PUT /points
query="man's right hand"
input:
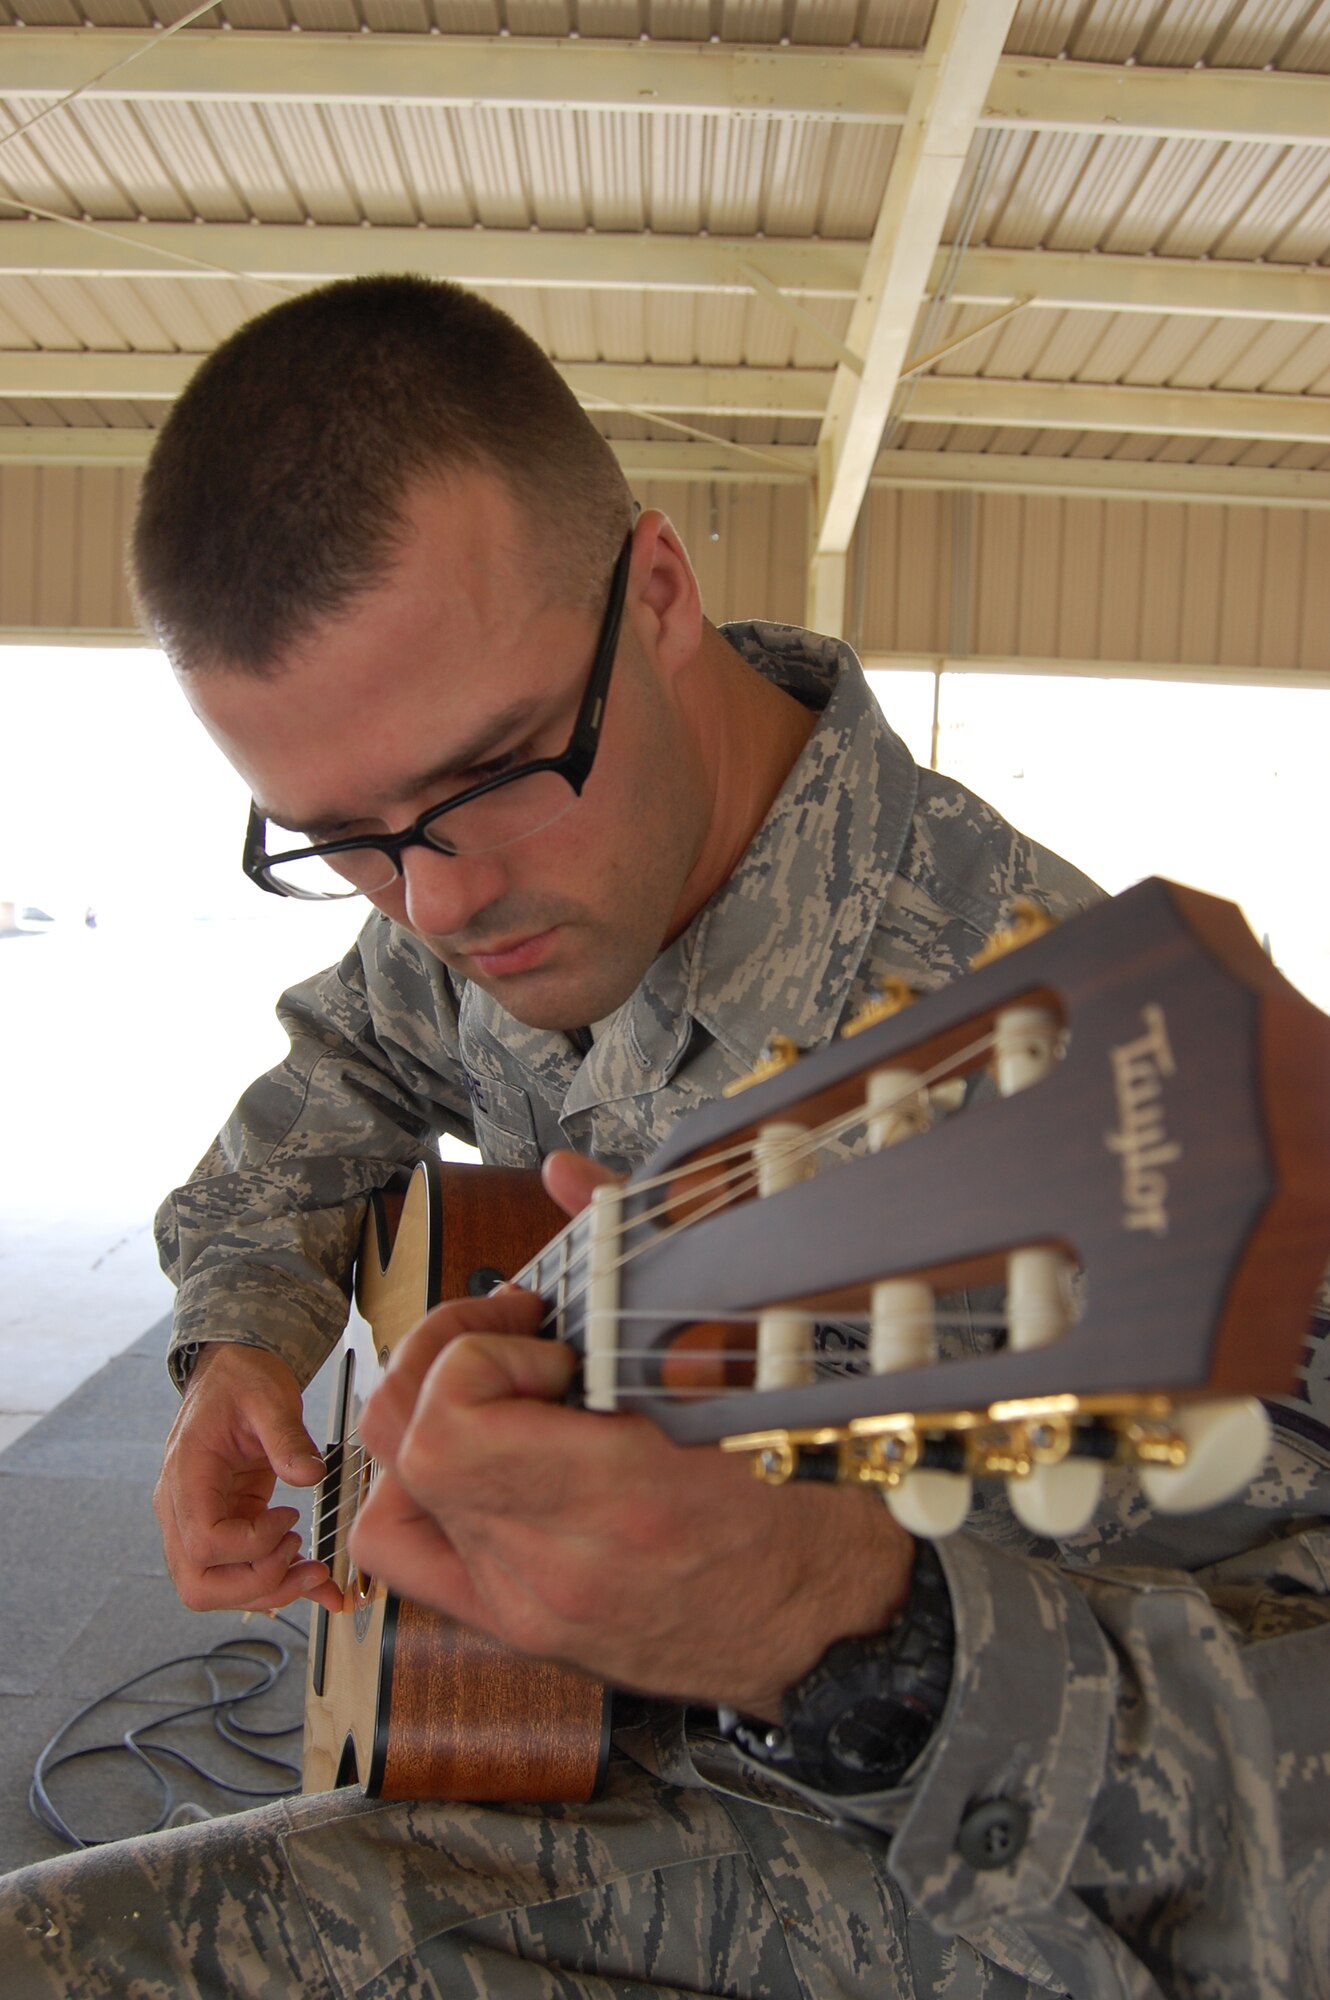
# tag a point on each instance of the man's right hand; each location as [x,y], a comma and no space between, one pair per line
[240,1430]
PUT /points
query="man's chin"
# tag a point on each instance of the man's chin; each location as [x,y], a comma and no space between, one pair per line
[538,994]
[556,1002]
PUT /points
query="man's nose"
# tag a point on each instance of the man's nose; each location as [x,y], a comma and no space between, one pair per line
[445,892]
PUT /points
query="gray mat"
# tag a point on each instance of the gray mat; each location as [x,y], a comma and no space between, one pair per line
[89,1604]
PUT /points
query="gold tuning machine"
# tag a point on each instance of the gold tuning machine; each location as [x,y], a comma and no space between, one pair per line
[778,1053]
[894,995]
[1028,921]
[1007,1439]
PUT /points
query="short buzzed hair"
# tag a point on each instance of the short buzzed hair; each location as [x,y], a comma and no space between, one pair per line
[277,489]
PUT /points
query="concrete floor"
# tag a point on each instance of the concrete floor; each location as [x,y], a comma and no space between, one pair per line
[121,1049]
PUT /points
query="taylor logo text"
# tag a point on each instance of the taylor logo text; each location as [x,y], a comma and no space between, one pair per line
[1141,1139]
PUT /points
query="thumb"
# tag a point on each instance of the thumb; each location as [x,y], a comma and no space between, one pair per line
[288,1446]
[571,1180]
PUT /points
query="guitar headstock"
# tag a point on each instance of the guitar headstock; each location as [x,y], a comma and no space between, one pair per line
[1123,1126]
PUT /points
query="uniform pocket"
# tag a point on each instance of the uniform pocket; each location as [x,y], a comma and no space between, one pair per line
[505,1126]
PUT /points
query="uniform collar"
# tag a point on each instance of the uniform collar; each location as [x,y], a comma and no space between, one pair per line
[777,947]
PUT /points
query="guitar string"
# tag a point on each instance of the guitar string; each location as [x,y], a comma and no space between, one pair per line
[741,1178]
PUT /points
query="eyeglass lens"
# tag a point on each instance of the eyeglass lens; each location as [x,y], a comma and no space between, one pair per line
[497,819]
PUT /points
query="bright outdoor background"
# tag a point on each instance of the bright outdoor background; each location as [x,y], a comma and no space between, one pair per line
[123,1046]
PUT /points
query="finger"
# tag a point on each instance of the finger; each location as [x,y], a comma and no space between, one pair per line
[488,1426]
[300,1582]
[509,1310]
[278,1578]
[395,1539]
[571,1180]
[213,1506]
[506,1312]
[481,1369]
[472,1371]
[312,1580]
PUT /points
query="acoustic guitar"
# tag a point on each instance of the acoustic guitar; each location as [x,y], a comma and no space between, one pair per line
[1119,1132]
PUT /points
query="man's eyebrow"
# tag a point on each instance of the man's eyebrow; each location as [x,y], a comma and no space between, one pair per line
[464,758]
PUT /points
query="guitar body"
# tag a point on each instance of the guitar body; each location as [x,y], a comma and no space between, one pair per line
[401,1700]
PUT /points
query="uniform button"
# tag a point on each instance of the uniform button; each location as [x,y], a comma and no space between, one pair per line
[993,1834]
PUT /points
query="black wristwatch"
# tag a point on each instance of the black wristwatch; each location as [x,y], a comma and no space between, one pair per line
[857,1722]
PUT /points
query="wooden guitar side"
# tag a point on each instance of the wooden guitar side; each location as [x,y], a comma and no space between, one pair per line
[399,1699]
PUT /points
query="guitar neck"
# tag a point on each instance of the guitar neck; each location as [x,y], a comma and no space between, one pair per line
[556,1275]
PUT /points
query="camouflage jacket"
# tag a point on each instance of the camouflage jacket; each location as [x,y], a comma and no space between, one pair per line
[1155,1695]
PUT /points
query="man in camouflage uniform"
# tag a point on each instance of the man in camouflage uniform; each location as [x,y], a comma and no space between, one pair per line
[1139,1716]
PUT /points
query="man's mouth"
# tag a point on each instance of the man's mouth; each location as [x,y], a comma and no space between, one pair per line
[519,955]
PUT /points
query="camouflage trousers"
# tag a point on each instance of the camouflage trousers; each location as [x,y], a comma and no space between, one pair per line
[651,1890]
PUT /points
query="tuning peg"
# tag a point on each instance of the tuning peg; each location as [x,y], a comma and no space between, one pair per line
[1226,1444]
[893,996]
[1057,1500]
[778,1053]
[932,1504]
[1028,921]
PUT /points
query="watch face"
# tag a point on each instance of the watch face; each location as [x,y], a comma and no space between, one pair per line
[874,1741]
[860,1719]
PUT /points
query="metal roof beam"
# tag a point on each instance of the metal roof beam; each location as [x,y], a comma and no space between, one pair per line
[1025,93]
[44,444]
[948,471]
[292,253]
[1102,283]
[737,392]
[1116,98]
[211,65]
[646,260]
[1095,669]
[771,392]
[964,44]
[1079,406]
[1101,478]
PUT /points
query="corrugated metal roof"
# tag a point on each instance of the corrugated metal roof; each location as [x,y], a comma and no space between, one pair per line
[1174,197]
[627,173]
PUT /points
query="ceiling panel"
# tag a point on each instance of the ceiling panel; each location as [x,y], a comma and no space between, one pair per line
[1119,212]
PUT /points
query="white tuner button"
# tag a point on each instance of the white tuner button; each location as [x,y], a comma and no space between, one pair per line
[1057,1500]
[1226,1447]
[929,1503]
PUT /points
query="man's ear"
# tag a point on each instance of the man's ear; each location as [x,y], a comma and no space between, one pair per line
[665,604]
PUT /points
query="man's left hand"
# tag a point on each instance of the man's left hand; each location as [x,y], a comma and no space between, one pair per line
[594,1539]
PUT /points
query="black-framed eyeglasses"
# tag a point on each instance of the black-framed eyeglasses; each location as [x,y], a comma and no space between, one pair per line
[495,813]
